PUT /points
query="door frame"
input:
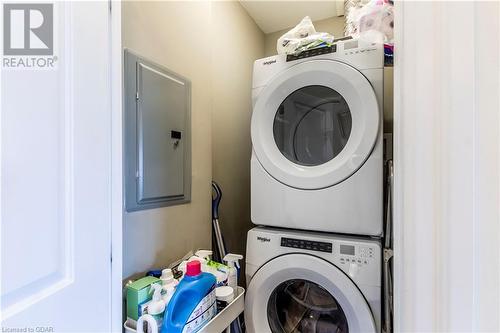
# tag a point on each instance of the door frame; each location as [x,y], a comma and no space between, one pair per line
[116,87]
[446,166]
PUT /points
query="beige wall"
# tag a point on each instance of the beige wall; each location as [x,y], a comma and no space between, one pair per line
[238,43]
[175,35]
[213,44]
[333,25]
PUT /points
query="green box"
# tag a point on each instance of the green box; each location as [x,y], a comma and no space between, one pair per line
[138,293]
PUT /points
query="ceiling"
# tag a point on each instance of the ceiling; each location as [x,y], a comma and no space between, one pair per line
[272,16]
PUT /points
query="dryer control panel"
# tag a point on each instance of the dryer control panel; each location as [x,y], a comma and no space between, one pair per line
[312,52]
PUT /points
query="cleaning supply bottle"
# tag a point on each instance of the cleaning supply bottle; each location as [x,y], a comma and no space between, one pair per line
[193,303]
[232,260]
[208,265]
[220,271]
[168,293]
[156,307]
[169,283]
[167,278]
[204,254]
[150,320]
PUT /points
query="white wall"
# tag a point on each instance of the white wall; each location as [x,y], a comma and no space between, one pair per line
[236,44]
[447,169]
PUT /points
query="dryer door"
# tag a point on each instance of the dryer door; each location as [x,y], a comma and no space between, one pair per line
[303,293]
[315,124]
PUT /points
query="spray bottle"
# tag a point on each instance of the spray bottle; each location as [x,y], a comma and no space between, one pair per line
[157,305]
[232,260]
[154,312]
[203,254]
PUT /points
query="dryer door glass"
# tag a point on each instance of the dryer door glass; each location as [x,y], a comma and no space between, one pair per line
[304,306]
[312,125]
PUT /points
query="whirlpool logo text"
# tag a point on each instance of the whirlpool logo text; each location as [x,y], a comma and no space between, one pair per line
[269,62]
[263,239]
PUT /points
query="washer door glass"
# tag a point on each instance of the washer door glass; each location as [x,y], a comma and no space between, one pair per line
[303,306]
[312,125]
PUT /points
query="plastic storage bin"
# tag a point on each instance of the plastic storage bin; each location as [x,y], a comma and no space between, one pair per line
[219,323]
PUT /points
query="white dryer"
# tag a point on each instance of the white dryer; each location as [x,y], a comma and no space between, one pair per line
[317,140]
[312,282]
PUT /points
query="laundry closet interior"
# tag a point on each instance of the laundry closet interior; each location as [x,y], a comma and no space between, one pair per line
[250,166]
[299,144]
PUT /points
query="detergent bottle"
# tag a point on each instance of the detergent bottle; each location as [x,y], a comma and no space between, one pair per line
[193,303]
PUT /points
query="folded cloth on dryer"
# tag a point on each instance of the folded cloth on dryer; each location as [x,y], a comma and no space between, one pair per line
[303,37]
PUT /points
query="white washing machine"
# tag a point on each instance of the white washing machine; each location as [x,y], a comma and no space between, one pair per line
[317,140]
[312,282]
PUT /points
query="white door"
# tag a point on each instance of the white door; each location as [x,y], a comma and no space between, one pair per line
[303,293]
[315,124]
[56,173]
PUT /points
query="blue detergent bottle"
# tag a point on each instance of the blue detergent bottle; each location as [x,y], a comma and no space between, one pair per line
[193,303]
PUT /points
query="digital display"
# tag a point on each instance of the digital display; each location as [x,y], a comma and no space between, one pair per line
[347,249]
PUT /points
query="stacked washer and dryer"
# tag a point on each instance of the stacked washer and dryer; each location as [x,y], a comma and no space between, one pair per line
[314,262]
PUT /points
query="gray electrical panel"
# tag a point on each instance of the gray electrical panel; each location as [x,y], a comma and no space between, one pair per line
[157,135]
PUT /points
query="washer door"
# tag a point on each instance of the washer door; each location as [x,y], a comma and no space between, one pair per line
[303,293]
[315,124]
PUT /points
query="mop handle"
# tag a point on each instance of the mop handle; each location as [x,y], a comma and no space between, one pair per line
[216,200]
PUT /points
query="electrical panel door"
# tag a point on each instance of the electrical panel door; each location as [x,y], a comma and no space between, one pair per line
[158,137]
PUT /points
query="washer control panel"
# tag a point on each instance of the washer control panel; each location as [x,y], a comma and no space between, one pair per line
[357,254]
[306,244]
[358,257]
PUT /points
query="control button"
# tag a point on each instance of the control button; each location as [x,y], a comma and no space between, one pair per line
[353,270]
